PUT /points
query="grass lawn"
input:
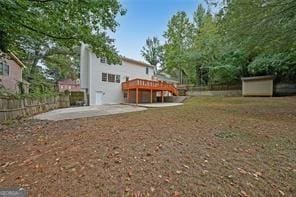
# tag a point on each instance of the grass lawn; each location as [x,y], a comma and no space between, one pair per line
[210,146]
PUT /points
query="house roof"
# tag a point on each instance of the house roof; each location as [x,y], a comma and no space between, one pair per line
[16,59]
[13,57]
[136,62]
[68,82]
[166,77]
[130,60]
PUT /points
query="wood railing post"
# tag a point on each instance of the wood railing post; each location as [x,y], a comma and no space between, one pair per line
[151,96]
[137,96]
[128,95]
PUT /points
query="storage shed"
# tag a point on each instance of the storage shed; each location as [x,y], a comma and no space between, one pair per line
[257,86]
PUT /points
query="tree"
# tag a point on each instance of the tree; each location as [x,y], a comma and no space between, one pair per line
[66,23]
[178,40]
[153,52]
[207,44]
[48,59]
[243,38]
[261,26]
[282,65]
[199,16]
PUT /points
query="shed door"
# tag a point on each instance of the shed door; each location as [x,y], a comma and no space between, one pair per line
[99,97]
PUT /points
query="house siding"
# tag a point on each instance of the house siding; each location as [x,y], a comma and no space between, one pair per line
[15,75]
[84,68]
[112,92]
[70,85]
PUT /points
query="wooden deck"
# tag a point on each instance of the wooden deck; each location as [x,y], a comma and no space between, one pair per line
[148,85]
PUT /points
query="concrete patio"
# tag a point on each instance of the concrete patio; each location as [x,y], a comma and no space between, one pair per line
[158,105]
[87,111]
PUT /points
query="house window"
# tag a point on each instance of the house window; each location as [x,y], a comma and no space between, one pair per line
[111,78]
[4,69]
[117,78]
[147,70]
[103,60]
[104,76]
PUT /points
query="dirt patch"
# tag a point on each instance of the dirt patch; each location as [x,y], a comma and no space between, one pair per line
[209,146]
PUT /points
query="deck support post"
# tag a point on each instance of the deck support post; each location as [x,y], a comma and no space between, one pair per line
[137,96]
[128,95]
[161,96]
[151,96]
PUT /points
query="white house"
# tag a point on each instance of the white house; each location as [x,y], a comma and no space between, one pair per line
[103,82]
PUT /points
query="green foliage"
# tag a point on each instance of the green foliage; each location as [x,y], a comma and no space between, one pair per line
[76,98]
[66,23]
[244,38]
[260,26]
[39,84]
[178,41]
[224,75]
[153,52]
[46,35]
[282,65]
[199,16]
[206,44]
[21,87]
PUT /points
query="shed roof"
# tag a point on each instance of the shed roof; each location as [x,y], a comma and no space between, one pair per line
[256,78]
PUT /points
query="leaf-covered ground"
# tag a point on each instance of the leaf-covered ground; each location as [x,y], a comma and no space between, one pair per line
[209,146]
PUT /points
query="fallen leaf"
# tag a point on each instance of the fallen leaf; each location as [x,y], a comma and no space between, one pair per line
[5,165]
[127,189]
[258,174]
[205,171]
[281,192]
[242,171]
[243,193]
[152,189]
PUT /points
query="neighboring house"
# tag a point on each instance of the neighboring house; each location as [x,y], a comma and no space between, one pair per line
[167,78]
[11,73]
[111,84]
[69,84]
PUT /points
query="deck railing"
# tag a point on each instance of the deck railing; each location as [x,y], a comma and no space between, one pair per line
[149,84]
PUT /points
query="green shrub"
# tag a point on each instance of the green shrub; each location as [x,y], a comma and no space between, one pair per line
[224,75]
[282,65]
[76,97]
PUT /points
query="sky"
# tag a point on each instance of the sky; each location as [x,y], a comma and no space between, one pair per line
[146,18]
